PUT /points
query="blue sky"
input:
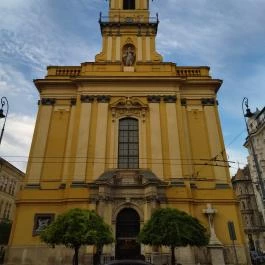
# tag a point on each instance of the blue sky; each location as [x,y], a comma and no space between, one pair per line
[227,35]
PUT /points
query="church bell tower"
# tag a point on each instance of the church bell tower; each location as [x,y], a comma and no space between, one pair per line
[128,33]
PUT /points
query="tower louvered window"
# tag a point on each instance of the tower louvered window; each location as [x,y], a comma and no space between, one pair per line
[128,4]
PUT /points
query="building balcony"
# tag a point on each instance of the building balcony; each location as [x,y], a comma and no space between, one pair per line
[128,20]
[69,71]
[95,69]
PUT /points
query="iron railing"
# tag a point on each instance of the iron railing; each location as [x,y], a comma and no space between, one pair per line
[128,20]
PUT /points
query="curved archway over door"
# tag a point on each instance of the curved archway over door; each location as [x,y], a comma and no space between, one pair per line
[127,229]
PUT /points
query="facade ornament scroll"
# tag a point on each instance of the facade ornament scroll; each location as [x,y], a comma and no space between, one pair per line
[129,106]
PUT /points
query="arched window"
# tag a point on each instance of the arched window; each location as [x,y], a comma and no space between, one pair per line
[128,156]
[128,4]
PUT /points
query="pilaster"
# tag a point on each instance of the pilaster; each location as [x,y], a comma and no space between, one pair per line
[214,143]
[142,144]
[140,48]
[118,48]
[109,48]
[156,144]
[101,134]
[67,157]
[82,142]
[173,140]
[147,49]
[39,146]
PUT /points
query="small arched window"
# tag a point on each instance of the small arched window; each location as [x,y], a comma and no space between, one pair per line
[128,156]
[128,4]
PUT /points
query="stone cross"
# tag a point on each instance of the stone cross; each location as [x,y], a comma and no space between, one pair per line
[210,212]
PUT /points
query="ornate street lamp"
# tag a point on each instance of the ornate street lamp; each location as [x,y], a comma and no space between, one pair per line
[4,102]
[248,114]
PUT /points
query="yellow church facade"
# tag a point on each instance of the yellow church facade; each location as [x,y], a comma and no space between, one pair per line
[125,135]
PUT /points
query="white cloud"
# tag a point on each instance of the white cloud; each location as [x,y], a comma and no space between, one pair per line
[215,32]
[14,4]
[34,38]
[17,139]
[13,81]
[235,88]
[238,156]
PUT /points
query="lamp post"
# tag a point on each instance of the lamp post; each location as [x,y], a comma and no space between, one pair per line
[248,114]
[4,102]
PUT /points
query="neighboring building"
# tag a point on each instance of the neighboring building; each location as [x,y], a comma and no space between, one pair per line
[10,182]
[125,135]
[252,218]
[256,126]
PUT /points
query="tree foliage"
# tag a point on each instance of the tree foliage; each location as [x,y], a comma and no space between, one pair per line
[75,228]
[5,229]
[173,228]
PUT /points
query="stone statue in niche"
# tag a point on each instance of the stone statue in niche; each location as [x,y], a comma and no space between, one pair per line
[128,56]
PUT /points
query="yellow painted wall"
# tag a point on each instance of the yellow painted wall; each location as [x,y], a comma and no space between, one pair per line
[55,148]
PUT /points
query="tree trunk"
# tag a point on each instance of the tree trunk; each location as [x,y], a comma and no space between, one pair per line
[99,252]
[173,259]
[75,257]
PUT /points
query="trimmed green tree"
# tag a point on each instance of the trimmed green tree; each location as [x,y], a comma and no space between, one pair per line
[76,228]
[173,228]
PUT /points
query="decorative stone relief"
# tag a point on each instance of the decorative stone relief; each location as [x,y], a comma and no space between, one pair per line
[86,99]
[129,41]
[128,107]
[136,188]
[103,99]
[73,101]
[61,108]
[170,99]
[41,221]
[208,101]
[194,108]
[183,102]
[48,101]
[154,99]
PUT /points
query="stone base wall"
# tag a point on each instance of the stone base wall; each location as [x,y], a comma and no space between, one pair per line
[202,256]
[42,255]
[235,255]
